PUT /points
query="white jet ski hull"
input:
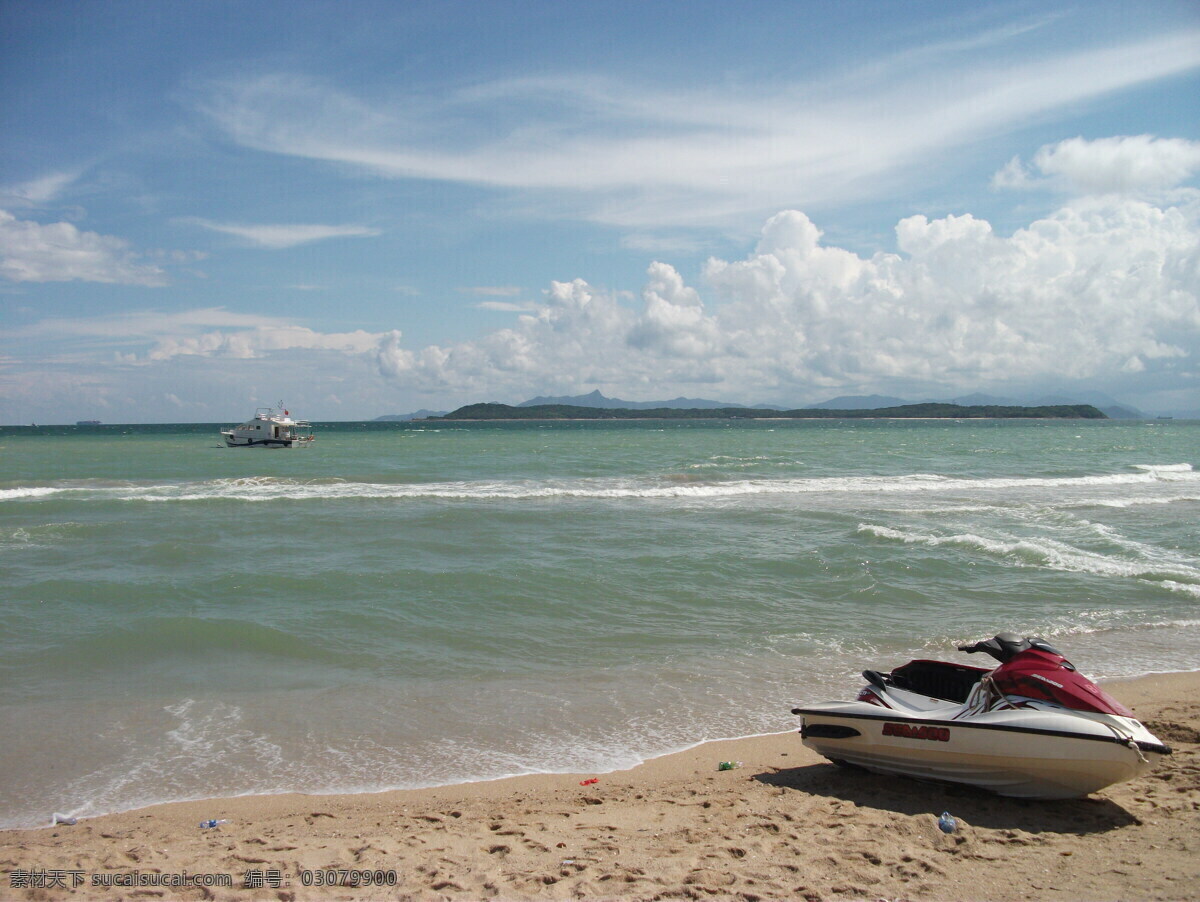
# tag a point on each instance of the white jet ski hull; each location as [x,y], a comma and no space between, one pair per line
[1036,752]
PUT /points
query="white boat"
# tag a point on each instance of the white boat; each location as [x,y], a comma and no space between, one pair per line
[1031,728]
[270,428]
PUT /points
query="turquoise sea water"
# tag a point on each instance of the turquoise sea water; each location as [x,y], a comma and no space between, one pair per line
[413,604]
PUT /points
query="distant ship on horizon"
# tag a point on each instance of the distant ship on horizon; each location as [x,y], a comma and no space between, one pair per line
[87,422]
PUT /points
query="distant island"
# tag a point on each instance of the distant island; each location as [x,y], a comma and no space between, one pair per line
[879,406]
[931,410]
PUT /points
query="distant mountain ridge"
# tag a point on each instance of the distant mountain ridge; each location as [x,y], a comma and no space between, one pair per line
[863,402]
[1108,405]
[405,417]
[596,399]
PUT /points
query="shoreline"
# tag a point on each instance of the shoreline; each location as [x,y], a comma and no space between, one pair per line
[784,824]
[1116,685]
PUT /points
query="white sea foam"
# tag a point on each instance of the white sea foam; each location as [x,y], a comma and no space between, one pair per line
[209,742]
[1051,554]
[1145,551]
[257,489]
[29,492]
[1191,589]
[1141,501]
[35,536]
[252,489]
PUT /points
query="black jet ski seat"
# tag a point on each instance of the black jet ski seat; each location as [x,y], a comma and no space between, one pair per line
[936,679]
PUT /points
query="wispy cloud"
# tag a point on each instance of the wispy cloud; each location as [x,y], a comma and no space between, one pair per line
[506,306]
[648,157]
[493,291]
[258,342]
[41,190]
[148,336]
[142,325]
[278,237]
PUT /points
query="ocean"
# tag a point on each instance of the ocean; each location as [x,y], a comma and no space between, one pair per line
[416,604]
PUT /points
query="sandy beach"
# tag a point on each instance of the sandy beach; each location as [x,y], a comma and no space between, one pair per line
[785,824]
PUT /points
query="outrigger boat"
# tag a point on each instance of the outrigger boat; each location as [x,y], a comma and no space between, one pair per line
[270,428]
[1033,727]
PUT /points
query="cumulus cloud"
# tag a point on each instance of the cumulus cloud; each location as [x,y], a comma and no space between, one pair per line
[60,252]
[278,237]
[1098,287]
[575,332]
[673,322]
[1134,165]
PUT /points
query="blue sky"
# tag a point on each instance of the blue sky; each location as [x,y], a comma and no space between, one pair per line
[368,208]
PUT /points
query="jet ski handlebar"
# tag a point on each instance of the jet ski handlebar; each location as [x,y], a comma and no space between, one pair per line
[1006,646]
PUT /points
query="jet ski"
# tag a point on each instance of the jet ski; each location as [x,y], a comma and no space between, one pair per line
[1033,727]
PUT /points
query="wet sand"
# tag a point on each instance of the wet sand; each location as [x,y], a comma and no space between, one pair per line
[783,825]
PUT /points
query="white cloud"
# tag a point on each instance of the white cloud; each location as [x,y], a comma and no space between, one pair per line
[1100,287]
[392,359]
[149,336]
[38,191]
[59,252]
[650,157]
[676,243]
[1013,174]
[674,322]
[506,306]
[140,326]
[1137,165]
[576,333]
[499,291]
[200,364]
[278,237]
[493,291]
[261,341]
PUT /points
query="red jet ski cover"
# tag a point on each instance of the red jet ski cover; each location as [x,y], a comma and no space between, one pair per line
[1051,677]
